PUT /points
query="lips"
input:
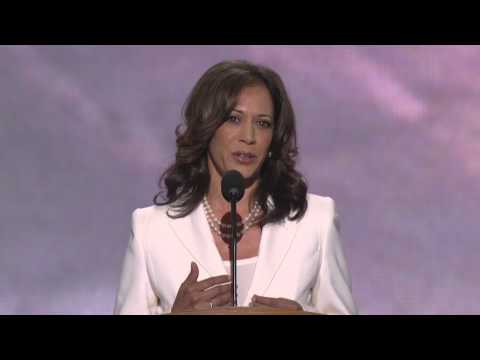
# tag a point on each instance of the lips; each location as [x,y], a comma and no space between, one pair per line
[244,155]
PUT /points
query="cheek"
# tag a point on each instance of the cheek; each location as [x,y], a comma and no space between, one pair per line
[266,142]
[218,144]
[213,148]
[222,139]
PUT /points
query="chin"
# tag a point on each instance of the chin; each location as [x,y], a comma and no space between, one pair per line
[246,173]
[250,175]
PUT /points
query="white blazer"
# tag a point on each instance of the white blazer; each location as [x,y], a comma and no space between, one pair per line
[299,260]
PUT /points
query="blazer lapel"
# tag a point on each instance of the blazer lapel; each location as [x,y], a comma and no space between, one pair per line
[275,243]
[194,234]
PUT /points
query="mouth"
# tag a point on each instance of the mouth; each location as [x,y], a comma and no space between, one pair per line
[244,157]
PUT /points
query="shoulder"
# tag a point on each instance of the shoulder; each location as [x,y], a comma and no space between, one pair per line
[318,204]
[143,216]
[320,213]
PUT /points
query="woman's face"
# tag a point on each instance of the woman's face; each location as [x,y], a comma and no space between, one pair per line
[242,142]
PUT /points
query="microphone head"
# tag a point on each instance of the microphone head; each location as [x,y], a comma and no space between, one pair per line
[233,186]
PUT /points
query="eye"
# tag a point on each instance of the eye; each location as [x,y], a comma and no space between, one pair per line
[265,124]
[233,118]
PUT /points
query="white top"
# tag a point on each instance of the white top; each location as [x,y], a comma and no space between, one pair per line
[245,271]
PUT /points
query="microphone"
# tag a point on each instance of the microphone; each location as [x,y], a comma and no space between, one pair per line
[233,188]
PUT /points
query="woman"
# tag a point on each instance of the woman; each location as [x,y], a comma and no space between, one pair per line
[237,117]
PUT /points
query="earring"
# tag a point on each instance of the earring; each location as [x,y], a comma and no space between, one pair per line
[270,154]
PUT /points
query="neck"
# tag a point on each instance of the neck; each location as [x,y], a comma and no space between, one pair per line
[220,205]
[218,202]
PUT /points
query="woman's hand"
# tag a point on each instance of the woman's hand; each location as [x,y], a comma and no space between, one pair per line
[201,295]
[282,303]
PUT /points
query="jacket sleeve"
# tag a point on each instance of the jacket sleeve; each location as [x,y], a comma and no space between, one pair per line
[135,294]
[332,292]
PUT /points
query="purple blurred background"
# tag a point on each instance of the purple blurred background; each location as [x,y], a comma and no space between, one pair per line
[390,132]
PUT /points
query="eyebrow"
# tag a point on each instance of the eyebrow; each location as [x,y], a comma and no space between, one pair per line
[259,115]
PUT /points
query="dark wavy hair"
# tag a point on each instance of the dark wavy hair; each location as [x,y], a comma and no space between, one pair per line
[207,107]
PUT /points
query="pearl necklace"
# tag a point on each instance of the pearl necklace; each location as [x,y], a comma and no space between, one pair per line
[217,225]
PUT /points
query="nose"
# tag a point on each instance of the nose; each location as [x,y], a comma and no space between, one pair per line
[248,133]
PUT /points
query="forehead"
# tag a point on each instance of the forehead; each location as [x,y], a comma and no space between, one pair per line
[255,98]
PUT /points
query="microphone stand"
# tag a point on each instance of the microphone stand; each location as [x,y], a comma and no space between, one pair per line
[233,248]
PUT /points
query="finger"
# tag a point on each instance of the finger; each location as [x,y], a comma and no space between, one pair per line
[290,304]
[258,305]
[212,281]
[223,299]
[193,275]
[216,291]
[204,303]
[275,302]
[263,300]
